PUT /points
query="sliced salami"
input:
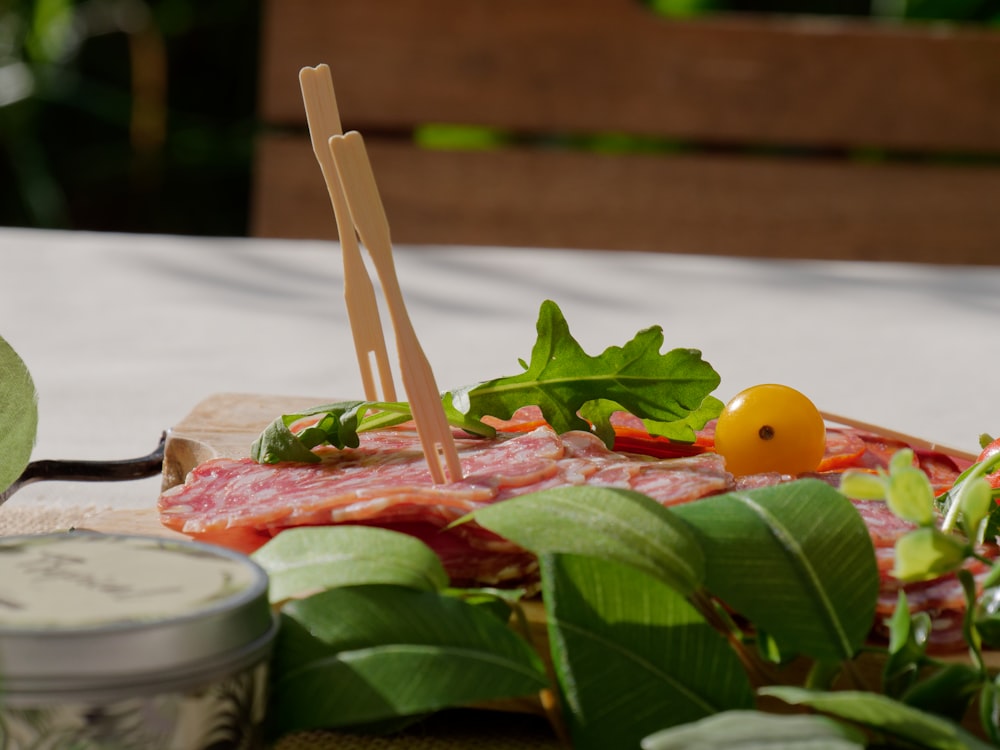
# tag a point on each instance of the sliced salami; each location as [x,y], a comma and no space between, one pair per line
[942,470]
[386,482]
[884,526]
[942,598]
[843,449]
[386,477]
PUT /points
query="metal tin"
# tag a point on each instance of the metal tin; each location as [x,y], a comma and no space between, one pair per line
[120,641]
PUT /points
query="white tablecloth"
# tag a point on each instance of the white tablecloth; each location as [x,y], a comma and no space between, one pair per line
[124,334]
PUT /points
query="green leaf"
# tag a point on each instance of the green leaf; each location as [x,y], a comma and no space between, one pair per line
[907,648]
[951,504]
[768,649]
[901,459]
[884,714]
[337,426]
[991,528]
[948,692]
[973,639]
[861,485]
[684,429]
[910,496]
[989,709]
[308,559]
[631,654]
[796,559]
[610,523]
[987,615]
[670,392]
[755,730]
[561,378]
[500,603]
[361,654]
[598,413]
[927,553]
[823,674]
[975,499]
[18,415]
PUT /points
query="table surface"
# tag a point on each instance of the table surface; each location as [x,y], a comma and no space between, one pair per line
[125,334]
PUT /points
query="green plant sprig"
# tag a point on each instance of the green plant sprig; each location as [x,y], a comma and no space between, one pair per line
[628,589]
[933,548]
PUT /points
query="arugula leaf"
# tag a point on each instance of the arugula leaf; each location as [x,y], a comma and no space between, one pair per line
[337,425]
[670,392]
[599,411]
[561,378]
[18,415]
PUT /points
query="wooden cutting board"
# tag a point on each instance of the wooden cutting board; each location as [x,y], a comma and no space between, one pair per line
[223,424]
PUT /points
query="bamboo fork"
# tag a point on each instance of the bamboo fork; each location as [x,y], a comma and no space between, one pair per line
[359,294]
[369,218]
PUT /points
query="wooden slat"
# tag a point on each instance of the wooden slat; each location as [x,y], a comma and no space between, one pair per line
[683,203]
[611,65]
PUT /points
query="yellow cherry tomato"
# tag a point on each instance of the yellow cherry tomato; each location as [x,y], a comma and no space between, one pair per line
[770,428]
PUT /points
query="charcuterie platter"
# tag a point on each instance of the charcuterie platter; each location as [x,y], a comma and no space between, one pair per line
[226,425]
[594,526]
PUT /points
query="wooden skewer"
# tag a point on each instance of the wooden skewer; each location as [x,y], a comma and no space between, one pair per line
[362,308]
[908,439]
[369,218]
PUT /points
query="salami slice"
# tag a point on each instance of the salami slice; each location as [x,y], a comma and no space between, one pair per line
[942,598]
[884,526]
[843,449]
[385,477]
[942,470]
[386,482]
[466,563]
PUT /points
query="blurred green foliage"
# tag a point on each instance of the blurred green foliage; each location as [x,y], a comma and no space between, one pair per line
[139,115]
[127,115]
[975,11]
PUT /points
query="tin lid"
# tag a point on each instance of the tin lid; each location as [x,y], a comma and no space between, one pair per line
[83,608]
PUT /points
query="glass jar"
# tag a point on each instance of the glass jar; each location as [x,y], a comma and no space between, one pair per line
[119,641]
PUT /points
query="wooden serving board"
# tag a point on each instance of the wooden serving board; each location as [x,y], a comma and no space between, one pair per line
[222,425]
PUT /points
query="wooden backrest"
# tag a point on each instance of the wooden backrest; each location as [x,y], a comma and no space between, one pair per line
[777,137]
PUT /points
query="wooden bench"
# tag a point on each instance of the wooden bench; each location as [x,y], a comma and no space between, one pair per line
[781,137]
